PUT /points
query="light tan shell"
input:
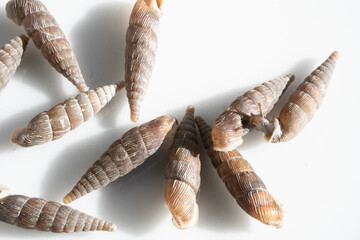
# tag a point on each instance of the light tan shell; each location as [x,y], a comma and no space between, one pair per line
[234,123]
[303,103]
[45,32]
[125,154]
[141,46]
[183,174]
[64,117]
[42,215]
[10,58]
[242,182]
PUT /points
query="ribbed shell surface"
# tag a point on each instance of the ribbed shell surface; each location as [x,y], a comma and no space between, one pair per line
[125,154]
[242,182]
[42,215]
[233,124]
[141,46]
[182,174]
[10,58]
[305,101]
[65,117]
[46,34]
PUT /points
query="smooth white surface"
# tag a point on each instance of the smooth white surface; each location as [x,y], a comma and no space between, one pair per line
[210,52]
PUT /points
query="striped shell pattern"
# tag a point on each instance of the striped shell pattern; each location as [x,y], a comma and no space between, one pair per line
[242,182]
[125,154]
[65,117]
[46,34]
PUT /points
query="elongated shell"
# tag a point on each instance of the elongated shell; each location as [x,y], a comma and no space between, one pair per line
[141,46]
[182,174]
[125,154]
[234,123]
[242,182]
[42,215]
[10,58]
[65,117]
[304,102]
[45,32]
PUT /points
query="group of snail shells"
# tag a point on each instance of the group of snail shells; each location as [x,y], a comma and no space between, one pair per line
[182,172]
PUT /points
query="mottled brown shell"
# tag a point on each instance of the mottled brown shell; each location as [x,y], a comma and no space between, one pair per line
[10,58]
[45,32]
[234,123]
[182,174]
[141,46]
[304,102]
[63,118]
[242,182]
[125,154]
[42,215]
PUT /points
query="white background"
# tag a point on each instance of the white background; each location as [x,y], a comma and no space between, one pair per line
[210,52]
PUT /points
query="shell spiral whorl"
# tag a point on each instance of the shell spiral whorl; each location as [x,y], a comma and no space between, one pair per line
[46,34]
[141,46]
[125,154]
[10,58]
[242,182]
[183,174]
[304,102]
[234,123]
[42,215]
[59,120]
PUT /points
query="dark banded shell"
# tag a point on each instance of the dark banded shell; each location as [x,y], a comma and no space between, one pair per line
[242,182]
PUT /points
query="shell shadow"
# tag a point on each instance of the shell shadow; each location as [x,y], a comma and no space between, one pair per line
[8,28]
[34,70]
[12,232]
[99,40]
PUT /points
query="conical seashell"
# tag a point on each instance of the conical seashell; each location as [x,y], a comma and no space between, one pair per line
[302,105]
[10,58]
[42,215]
[59,120]
[183,174]
[125,154]
[234,123]
[45,32]
[242,182]
[141,46]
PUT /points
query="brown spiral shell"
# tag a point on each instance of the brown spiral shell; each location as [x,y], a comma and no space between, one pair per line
[141,46]
[64,117]
[42,215]
[10,58]
[46,34]
[234,123]
[304,102]
[242,182]
[183,174]
[125,154]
